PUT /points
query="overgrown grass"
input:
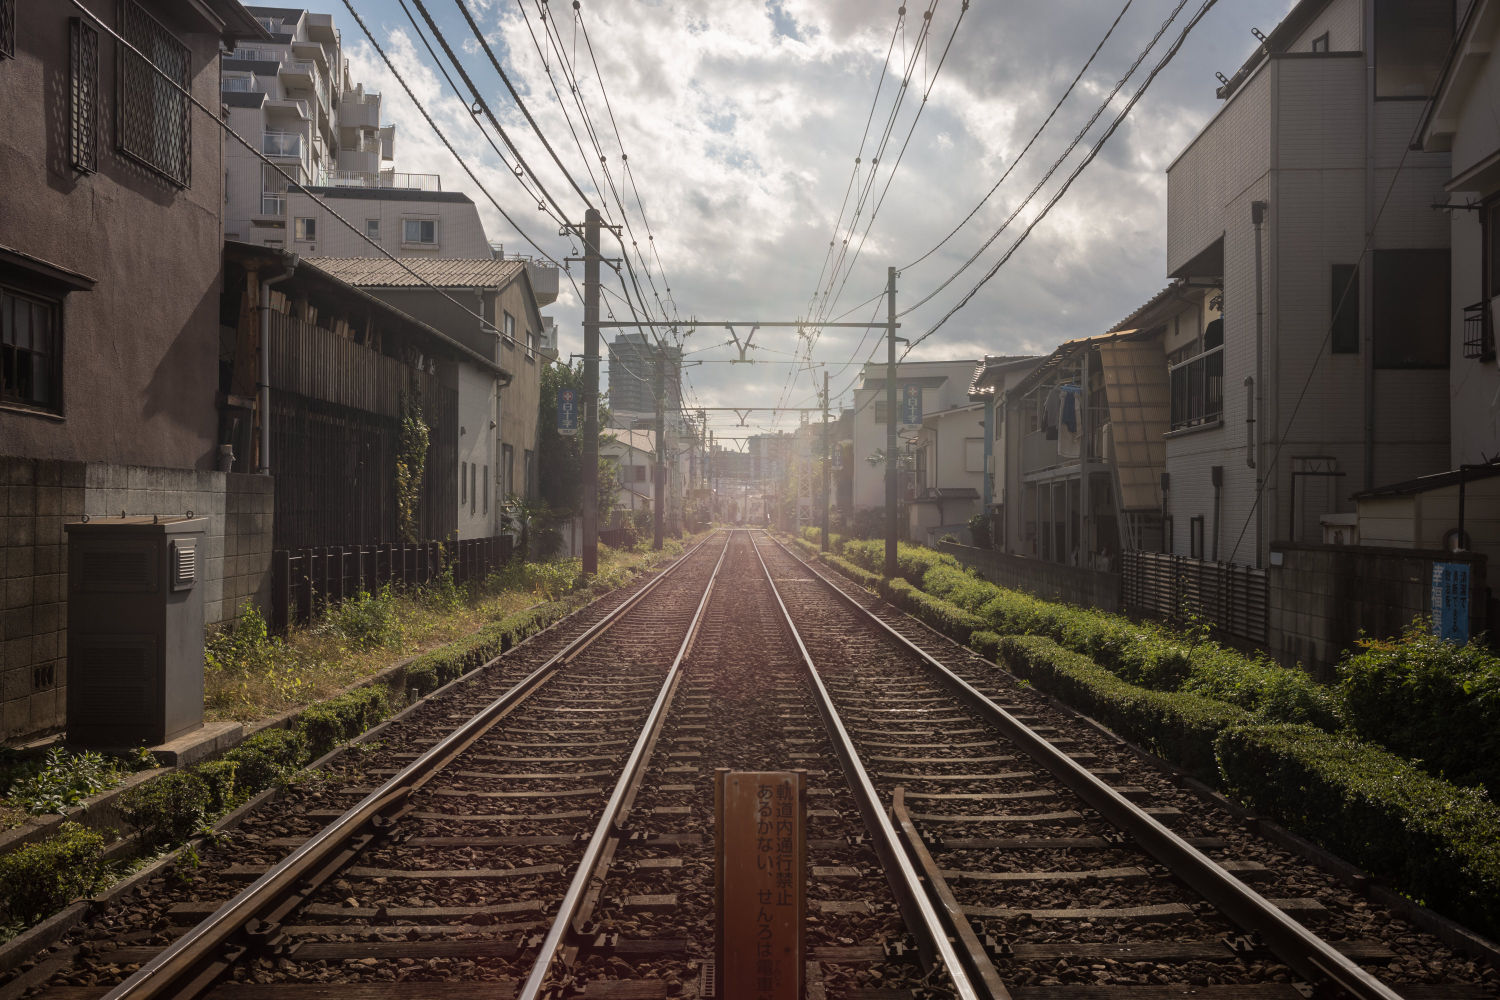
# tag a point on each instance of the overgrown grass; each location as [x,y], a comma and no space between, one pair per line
[251,674]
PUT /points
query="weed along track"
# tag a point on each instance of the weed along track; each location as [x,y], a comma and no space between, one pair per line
[546,827]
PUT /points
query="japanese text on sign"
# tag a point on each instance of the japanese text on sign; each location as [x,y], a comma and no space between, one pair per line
[1450,601]
[762,896]
[567,411]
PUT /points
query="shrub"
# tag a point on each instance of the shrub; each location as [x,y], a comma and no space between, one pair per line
[241,642]
[863,577]
[949,619]
[267,756]
[912,561]
[985,643]
[958,586]
[167,810]
[1178,727]
[1429,699]
[366,621]
[1437,842]
[329,723]
[64,779]
[218,778]
[40,878]
[979,530]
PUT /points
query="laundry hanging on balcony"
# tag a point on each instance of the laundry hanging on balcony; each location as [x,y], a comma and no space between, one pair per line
[1070,421]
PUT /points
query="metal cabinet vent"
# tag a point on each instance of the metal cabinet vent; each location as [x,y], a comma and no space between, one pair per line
[184,564]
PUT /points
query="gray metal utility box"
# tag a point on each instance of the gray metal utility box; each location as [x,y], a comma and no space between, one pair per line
[135,630]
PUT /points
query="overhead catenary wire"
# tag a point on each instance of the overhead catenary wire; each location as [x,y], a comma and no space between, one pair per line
[1057,196]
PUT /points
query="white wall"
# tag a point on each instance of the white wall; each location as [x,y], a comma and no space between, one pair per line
[459,230]
[869,437]
[478,408]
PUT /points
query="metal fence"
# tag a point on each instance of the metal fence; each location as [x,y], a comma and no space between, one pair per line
[306,581]
[1232,598]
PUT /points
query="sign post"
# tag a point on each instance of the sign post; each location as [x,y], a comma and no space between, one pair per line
[567,412]
[760,949]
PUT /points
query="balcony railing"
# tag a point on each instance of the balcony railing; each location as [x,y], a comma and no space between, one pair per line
[1198,390]
[1479,332]
[281,144]
[356,178]
[255,55]
[243,83]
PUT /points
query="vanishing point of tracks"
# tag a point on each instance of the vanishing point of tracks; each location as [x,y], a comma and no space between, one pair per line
[545,828]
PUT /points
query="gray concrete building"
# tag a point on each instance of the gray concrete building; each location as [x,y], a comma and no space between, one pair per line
[632,369]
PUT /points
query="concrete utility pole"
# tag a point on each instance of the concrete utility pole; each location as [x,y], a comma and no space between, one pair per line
[590,459]
[891,416]
[660,477]
[827,461]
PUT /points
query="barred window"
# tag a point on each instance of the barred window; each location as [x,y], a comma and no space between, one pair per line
[152,114]
[83,94]
[7,28]
[30,350]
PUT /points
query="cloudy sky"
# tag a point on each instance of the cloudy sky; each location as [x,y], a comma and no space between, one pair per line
[740,123]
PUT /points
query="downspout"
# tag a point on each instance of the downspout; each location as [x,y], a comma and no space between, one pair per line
[1258,218]
[263,385]
[987,480]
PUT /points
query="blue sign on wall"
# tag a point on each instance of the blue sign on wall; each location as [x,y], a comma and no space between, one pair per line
[911,405]
[567,411]
[1450,601]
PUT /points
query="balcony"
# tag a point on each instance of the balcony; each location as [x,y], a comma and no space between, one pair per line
[282,144]
[1479,332]
[359,110]
[287,106]
[240,83]
[388,179]
[1197,390]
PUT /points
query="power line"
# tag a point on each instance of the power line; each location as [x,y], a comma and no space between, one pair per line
[1119,119]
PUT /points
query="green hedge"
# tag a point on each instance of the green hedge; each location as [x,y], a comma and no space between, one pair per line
[266,756]
[328,723]
[858,574]
[1178,727]
[432,670]
[167,810]
[985,643]
[1428,699]
[912,561]
[1438,843]
[41,878]
[949,619]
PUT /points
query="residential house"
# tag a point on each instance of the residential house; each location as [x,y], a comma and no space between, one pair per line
[943,388]
[995,376]
[633,452]
[1315,369]
[290,94]
[109,311]
[490,306]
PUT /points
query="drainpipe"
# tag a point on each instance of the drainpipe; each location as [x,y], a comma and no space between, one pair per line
[1258,218]
[263,386]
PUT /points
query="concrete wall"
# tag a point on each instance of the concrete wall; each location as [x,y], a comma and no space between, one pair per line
[38,497]
[1324,597]
[1050,581]
[141,349]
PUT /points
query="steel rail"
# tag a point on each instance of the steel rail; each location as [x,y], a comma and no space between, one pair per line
[1288,940]
[922,918]
[624,788]
[185,968]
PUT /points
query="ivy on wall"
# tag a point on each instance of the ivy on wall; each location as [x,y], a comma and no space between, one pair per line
[411,460]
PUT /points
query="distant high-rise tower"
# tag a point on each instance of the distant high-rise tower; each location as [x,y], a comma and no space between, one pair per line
[632,374]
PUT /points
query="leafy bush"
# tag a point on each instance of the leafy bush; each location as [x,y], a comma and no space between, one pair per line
[169,809]
[218,778]
[241,642]
[329,723]
[861,576]
[979,530]
[958,586]
[1437,842]
[949,619]
[912,561]
[1429,699]
[366,621]
[267,756]
[41,878]
[64,779]
[1178,727]
[985,643]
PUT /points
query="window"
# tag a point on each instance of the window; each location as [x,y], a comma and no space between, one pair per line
[30,350]
[473,487]
[974,454]
[509,329]
[530,473]
[530,344]
[306,229]
[1344,306]
[1195,537]
[83,94]
[151,112]
[1409,324]
[1320,44]
[422,231]
[372,228]
[486,481]
[1411,46]
[1197,383]
[507,469]
[463,483]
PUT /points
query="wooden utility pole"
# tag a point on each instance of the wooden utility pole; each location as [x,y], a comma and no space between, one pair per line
[827,461]
[590,459]
[891,416]
[659,479]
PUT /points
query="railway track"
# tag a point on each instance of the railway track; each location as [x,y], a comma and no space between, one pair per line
[546,829]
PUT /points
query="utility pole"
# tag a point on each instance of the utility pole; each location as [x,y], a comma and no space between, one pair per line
[827,461]
[660,478]
[891,416]
[590,458]
[708,478]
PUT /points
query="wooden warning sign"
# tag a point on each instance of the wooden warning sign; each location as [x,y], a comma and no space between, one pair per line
[761,838]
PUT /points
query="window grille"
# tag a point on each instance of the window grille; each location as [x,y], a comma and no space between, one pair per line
[7,29]
[83,93]
[152,113]
[30,350]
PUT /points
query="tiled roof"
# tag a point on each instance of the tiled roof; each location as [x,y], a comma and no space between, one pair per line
[452,272]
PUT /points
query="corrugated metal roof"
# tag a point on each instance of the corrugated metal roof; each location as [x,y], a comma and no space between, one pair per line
[450,272]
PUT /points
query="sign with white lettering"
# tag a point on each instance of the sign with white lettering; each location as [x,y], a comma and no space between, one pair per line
[567,412]
[760,950]
[1450,601]
[911,405]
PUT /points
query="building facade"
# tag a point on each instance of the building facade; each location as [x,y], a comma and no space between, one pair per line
[632,374]
[944,385]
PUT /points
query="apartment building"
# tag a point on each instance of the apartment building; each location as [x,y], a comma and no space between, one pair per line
[632,374]
[291,94]
[109,315]
[943,387]
[1314,369]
